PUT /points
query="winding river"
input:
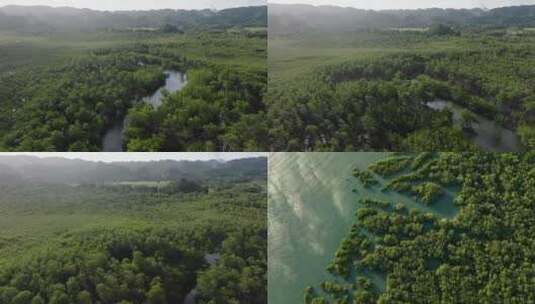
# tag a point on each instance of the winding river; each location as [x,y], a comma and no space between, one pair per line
[113,139]
[211,259]
[488,135]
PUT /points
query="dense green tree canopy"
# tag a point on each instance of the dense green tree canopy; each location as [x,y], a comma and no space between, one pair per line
[68,101]
[483,254]
[134,242]
[380,99]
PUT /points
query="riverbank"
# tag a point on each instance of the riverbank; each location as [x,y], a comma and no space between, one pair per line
[174,82]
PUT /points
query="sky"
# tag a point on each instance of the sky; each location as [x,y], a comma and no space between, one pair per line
[122,157]
[411,4]
[112,5]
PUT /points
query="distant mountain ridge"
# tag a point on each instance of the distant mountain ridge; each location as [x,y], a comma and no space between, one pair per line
[16,169]
[290,18]
[58,19]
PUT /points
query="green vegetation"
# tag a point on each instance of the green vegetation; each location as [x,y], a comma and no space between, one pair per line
[219,110]
[368,202]
[369,87]
[428,192]
[481,255]
[63,90]
[112,243]
[390,166]
[365,177]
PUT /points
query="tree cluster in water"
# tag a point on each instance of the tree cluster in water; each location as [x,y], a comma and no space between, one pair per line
[481,255]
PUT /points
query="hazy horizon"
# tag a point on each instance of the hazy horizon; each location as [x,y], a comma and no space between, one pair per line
[105,5]
[410,4]
[139,157]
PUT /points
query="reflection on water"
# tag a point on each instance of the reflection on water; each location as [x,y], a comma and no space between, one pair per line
[311,209]
[113,139]
[489,135]
[175,81]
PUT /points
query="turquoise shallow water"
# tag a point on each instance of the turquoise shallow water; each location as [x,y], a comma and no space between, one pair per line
[311,209]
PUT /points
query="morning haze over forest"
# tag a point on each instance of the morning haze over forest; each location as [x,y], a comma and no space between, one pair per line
[75,79]
[433,86]
[410,4]
[137,4]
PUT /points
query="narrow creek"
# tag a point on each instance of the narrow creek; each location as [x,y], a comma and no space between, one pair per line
[211,259]
[113,139]
[488,135]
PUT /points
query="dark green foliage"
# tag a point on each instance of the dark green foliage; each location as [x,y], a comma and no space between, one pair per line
[169,28]
[112,244]
[381,99]
[372,203]
[428,192]
[70,101]
[481,255]
[361,114]
[68,108]
[441,30]
[390,166]
[221,109]
[154,266]
[421,159]
[441,139]
[240,274]
[365,177]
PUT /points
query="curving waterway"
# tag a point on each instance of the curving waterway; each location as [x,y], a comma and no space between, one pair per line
[488,135]
[113,139]
[211,259]
[311,209]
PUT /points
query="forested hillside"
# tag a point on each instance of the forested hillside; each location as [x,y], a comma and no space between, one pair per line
[175,239]
[43,19]
[286,19]
[59,170]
